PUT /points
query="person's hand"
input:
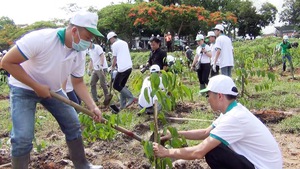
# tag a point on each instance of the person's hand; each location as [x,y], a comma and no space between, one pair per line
[192,68]
[42,91]
[159,150]
[214,67]
[97,114]
[89,73]
[165,138]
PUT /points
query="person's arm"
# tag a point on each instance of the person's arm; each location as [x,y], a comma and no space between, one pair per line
[195,61]
[102,60]
[11,63]
[187,153]
[217,56]
[82,91]
[114,62]
[199,134]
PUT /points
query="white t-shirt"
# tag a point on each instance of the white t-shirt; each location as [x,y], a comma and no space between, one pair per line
[95,54]
[226,55]
[202,56]
[121,51]
[147,84]
[213,54]
[49,61]
[245,134]
[69,86]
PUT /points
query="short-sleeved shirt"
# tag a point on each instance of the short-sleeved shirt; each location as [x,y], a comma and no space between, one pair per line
[120,50]
[142,99]
[285,47]
[48,60]
[213,55]
[95,54]
[202,56]
[158,57]
[245,134]
[226,55]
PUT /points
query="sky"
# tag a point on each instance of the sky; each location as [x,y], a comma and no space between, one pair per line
[30,11]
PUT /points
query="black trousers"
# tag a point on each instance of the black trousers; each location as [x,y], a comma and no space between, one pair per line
[203,73]
[222,157]
[212,73]
[121,79]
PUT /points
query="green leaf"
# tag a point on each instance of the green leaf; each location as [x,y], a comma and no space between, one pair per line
[146,94]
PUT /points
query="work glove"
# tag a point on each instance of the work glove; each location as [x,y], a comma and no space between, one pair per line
[214,67]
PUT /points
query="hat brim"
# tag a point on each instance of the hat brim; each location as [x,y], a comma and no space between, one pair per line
[204,90]
[95,32]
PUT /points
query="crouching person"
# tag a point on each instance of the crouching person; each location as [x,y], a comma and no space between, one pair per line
[41,61]
[143,103]
[235,140]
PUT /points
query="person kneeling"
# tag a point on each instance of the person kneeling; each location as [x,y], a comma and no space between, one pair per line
[143,103]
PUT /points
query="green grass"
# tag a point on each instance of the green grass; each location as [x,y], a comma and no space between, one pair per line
[290,125]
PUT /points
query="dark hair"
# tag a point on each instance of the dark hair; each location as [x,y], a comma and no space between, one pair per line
[230,97]
[155,39]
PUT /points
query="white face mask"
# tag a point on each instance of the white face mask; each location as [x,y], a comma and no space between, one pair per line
[82,45]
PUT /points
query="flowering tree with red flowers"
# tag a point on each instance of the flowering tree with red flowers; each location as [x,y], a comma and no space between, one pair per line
[177,18]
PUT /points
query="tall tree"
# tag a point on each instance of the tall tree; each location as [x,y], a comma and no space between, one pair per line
[115,18]
[291,12]
[268,14]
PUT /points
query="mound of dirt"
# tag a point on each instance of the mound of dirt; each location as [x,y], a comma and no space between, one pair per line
[270,116]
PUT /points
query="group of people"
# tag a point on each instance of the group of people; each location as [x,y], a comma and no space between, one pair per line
[210,58]
[44,60]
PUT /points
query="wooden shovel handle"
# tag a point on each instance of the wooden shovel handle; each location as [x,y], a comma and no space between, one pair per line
[88,112]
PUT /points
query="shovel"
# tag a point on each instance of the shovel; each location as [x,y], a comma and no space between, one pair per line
[88,112]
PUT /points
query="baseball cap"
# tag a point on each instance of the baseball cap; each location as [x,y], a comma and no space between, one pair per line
[219,27]
[210,33]
[187,47]
[285,37]
[110,35]
[154,68]
[86,20]
[199,37]
[221,84]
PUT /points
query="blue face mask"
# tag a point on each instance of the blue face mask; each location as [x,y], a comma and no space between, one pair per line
[82,45]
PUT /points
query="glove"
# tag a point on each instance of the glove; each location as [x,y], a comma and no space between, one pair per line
[89,73]
[214,68]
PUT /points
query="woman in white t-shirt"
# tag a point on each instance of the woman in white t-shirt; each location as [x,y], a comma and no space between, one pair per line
[202,57]
[214,67]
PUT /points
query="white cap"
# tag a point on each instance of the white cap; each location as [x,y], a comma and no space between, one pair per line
[110,35]
[210,33]
[187,47]
[221,84]
[285,37]
[4,52]
[154,68]
[199,37]
[86,20]
[219,27]
[169,33]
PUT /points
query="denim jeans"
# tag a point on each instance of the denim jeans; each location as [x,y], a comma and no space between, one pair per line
[289,58]
[226,70]
[23,107]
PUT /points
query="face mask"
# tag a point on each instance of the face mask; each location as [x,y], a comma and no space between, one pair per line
[82,45]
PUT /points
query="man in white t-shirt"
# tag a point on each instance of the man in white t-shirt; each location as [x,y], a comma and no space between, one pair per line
[98,66]
[39,62]
[224,50]
[214,67]
[143,103]
[235,140]
[121,58]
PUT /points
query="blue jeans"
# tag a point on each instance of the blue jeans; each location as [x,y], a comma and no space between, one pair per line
[284,62]
[23,107]
[226,70]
